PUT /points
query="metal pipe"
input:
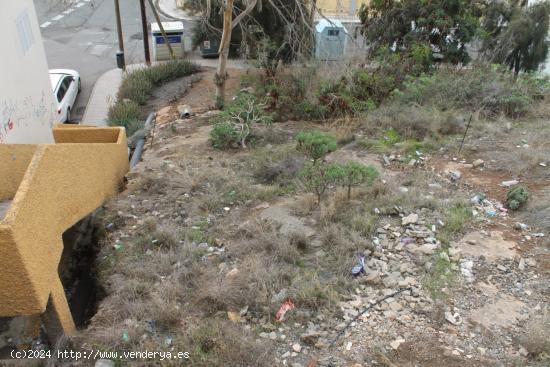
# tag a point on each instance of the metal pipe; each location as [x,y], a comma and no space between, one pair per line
[145,32]
[136,157]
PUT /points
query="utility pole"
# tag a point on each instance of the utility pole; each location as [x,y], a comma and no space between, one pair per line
[121,63]
[145,32]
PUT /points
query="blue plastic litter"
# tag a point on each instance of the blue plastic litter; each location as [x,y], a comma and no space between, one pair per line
[360,267]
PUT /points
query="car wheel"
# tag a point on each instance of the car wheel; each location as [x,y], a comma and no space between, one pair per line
[68,119]
[79,85]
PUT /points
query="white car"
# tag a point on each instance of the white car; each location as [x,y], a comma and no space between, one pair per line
[65,85]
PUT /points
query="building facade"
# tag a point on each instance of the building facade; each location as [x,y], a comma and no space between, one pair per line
[27,110]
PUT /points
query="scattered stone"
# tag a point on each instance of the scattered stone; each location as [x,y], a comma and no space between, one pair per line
[403,189]
[466,270]
[373,277]
[521,264]
[310,338]
[478,163]
[232,273]
[453,317]
[455,175]
[396,343]
[409,219]
[296,347]
[531,262]
[509,183]
[522,351]
[348,345]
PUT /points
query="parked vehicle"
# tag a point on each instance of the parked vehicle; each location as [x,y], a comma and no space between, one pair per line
[66,85]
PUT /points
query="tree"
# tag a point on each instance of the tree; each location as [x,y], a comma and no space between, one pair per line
[316,145]
[414,26]
[515,34]
[247,26]
[317,177]
[355,174]
[228,24]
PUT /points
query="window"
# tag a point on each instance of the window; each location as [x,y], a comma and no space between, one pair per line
[63,87]
[24,31]
[333,32]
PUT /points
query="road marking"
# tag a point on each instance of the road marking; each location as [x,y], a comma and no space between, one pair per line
[79,5]
[45,24]
[57,17]
[68,11]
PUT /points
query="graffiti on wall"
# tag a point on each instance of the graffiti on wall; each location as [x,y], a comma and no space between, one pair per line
[25,113]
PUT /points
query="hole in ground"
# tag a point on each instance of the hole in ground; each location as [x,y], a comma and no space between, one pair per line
[78,269]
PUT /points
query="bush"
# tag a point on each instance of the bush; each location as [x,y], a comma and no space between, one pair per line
[517,197]
[138,85]
[125,113]
[355,174]
[482,87]
[316,145]
[224,136]
[234,123]
[318,177]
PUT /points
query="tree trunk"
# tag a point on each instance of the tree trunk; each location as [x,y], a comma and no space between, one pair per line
[221,73]
[349,192]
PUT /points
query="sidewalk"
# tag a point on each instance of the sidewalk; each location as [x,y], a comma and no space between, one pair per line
[103,95]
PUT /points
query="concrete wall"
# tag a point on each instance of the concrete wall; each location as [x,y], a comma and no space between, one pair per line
[27,109]
[49,189]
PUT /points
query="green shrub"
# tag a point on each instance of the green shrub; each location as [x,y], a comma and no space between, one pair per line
[125,113]
[517,197]
[234,123]
[224,135]
[138,85]
[316,145]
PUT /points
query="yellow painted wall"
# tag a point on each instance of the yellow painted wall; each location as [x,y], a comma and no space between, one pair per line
[339,7]
[53,186]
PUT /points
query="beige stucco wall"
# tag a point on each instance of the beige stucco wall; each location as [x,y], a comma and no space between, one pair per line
[52,186]
[27,109]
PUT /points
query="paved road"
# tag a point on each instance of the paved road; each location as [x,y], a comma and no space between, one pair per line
[81,35]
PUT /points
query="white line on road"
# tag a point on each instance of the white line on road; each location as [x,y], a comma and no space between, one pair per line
[57,17]
[68,11]
[79,5]
[45,24]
